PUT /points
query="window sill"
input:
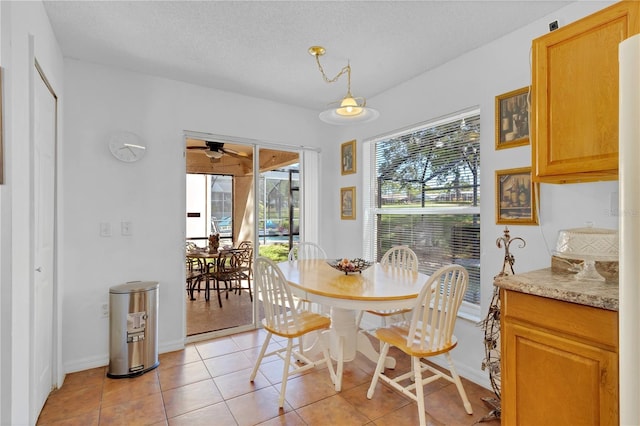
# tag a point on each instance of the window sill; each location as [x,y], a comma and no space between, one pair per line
[470,312]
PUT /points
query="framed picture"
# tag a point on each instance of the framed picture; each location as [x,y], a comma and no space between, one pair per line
[512,119]
[516,197]
[348,202]
[348,157]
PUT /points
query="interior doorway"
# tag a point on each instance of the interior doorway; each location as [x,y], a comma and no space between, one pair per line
[45,122]
[225,198]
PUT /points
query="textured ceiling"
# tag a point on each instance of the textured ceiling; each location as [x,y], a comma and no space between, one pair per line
[259,48]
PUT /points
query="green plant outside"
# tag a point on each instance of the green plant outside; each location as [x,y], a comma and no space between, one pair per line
[275,252]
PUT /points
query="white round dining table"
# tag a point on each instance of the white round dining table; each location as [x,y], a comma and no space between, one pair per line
[377,287]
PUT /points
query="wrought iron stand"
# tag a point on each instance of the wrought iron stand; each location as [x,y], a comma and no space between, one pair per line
[491,327]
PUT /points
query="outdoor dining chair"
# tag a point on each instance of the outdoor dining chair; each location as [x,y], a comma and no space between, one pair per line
[225,270]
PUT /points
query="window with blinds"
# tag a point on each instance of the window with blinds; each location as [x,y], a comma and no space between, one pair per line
[425,193]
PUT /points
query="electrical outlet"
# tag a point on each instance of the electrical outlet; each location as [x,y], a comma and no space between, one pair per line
[105,310]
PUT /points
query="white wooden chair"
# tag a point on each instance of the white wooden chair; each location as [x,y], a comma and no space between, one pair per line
[307,250]
[429,333]
[397,257]
[283,318]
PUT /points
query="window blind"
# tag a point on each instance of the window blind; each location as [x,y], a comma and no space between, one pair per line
[425,193]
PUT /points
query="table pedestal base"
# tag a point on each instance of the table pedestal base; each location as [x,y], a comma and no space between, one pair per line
[346,340]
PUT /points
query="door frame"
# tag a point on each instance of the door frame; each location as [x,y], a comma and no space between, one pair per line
[34,405]
[309,222]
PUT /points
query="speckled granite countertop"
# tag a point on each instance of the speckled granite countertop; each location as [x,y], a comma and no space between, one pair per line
[563,286]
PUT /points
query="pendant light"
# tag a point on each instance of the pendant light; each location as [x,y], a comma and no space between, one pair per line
[350,109]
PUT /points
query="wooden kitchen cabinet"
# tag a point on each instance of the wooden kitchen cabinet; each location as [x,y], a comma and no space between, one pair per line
[559,362]
[574,102]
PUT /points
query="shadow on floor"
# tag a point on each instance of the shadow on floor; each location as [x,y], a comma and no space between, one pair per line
[207,316]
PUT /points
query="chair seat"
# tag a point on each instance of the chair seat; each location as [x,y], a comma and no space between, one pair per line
[389,312]
[307,322]
[396,335]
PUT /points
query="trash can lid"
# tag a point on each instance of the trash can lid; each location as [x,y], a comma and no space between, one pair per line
[134,287]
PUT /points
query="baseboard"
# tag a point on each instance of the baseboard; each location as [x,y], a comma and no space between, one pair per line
[86,364]
[171,346]
[475,375]
[103,360]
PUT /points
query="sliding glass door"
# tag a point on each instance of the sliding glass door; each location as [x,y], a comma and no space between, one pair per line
[225,198]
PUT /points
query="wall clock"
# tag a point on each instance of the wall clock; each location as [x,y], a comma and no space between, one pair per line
[127,146]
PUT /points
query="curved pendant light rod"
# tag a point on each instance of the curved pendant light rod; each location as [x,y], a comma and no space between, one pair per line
[318,51]
[350,109]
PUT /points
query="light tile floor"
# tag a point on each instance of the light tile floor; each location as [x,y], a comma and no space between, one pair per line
[207,383]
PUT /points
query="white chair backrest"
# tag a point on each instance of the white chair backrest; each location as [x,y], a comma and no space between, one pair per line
[273,290]
[401,257]
[307,250]
[434,316]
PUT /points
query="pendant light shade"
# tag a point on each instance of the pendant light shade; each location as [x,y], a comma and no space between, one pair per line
[349,112]
[350,109]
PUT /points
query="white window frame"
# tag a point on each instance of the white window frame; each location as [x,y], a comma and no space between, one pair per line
[467,310]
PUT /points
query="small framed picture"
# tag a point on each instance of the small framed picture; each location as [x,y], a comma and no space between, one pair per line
[348,157]
[516,197]
[512,119]
[348,202]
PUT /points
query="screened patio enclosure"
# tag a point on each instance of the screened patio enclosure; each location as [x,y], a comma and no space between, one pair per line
[260,213]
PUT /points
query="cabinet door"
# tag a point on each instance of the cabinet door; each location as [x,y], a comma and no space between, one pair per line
[552,380]
[575,97]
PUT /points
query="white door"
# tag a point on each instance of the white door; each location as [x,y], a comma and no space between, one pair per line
[45,117]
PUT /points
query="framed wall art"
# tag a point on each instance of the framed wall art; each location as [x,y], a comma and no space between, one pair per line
[348,202]
[512,119]
[516,197]
[348,157]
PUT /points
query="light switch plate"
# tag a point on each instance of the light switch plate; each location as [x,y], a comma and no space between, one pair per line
[105,229]
[125,228]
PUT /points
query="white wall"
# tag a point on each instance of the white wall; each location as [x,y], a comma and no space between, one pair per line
[95,188]
[470,80]
[150,193]
[101,100]
[25,36]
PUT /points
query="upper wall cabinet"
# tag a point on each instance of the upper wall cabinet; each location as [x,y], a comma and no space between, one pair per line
[575,97]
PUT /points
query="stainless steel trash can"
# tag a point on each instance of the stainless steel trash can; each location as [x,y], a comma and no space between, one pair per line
[133,327]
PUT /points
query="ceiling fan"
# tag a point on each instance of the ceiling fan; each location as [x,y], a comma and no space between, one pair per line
[216,150]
